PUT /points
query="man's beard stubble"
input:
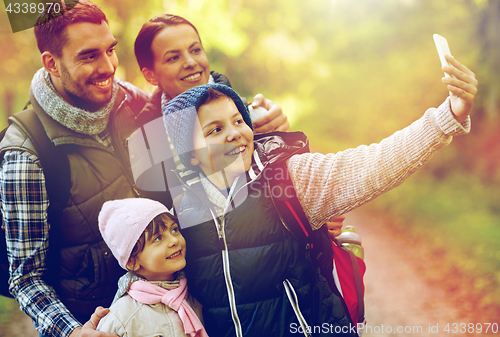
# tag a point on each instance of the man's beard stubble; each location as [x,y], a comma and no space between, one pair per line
[83,100]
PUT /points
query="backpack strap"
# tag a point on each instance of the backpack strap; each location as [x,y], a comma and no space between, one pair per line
[54,160]
[287,204]
[317,243]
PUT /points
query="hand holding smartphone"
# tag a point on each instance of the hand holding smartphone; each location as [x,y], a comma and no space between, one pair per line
[463,90]
[443,49]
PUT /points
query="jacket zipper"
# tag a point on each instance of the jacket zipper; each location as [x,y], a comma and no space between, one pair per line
[227,274]
[225,261]
[225,254]
[292,297]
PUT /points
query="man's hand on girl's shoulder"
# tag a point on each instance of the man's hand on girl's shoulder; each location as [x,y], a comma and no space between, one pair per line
[89,328]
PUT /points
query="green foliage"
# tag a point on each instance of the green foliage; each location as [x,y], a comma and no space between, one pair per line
[7,307]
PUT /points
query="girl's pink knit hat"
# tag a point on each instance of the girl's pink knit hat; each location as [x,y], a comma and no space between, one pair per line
[122,222]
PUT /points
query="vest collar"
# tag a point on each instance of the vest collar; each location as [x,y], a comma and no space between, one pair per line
[60,135]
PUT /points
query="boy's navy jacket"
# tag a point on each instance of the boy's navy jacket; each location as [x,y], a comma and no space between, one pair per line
[261,255]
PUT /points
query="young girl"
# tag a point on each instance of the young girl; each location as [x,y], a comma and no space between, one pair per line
[249,273]
[152,299]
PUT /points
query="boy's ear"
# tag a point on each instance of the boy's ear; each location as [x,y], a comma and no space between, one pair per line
[132,264]
[149,75]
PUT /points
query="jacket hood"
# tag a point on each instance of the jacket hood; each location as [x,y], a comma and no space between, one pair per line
[277,146]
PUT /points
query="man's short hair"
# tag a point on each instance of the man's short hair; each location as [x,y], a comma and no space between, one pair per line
[50,27]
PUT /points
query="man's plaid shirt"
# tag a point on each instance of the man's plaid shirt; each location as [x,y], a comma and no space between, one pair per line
[24,209]
[24,204]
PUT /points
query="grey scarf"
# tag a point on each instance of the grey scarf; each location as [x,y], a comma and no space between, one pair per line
[76,119]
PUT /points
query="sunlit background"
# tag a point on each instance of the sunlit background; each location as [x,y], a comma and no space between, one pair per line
[346,72]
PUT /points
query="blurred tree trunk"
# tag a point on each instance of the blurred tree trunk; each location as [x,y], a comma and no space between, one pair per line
[489,37]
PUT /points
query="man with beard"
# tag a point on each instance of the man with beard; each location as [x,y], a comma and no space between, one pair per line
[60,268]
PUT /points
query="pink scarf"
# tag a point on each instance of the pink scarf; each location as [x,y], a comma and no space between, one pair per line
[175,299]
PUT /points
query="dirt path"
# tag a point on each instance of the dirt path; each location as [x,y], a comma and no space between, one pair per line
[20,325]
[408,292]
[407,287]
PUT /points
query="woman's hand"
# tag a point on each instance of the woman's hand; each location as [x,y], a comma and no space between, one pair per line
[463,87]
[274,120]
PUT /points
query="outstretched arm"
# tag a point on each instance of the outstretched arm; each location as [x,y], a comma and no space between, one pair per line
[332,184]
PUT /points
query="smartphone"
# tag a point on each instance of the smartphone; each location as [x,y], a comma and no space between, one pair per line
[256,113]
[443,49]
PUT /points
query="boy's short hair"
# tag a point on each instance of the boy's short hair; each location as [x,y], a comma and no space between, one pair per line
[214,95]
[181,113]
[50,27]
[158,224]
[144,40]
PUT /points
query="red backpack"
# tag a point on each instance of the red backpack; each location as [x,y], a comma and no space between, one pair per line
[349,269]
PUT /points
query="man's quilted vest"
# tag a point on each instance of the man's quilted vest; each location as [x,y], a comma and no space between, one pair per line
[82,269]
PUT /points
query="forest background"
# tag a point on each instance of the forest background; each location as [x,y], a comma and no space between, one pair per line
[346,72]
